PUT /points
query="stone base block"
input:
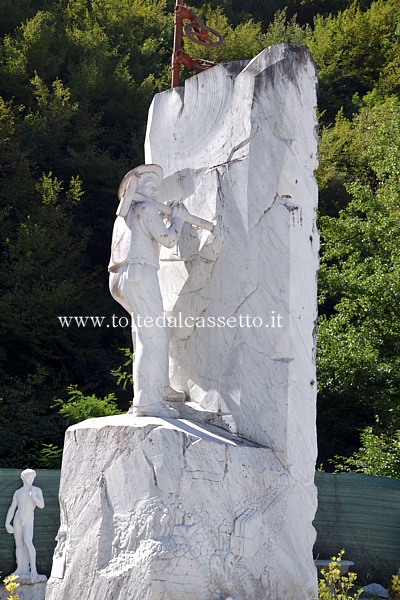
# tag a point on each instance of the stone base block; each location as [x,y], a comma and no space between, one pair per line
[158,509]
[25,591]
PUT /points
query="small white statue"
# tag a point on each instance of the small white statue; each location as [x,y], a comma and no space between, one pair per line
[138,231]
[22,509]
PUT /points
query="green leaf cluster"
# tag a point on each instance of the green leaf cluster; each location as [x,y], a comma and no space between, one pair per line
[78,407]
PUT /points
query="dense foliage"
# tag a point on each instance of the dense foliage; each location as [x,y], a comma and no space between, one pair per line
[379,454]
[359,330]
[76,81]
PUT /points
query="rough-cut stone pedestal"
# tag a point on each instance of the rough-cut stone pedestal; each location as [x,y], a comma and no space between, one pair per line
[173,510]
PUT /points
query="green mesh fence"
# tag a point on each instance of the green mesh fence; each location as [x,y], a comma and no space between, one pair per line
[47,520]
[360,513]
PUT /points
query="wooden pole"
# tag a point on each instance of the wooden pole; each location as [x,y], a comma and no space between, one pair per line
[175,65]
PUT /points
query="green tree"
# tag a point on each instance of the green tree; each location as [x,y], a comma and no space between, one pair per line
[351,49]
[379,454]
[76,81]
[359,329]
[246,39]
[44,274]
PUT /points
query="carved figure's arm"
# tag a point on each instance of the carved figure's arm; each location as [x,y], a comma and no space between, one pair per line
[10,514]
[167,236]
[168,209]
[37,497]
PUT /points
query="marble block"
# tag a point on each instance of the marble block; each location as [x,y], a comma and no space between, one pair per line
[161,509]
[239,141]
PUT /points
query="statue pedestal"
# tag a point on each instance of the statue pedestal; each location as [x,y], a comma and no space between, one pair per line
[27,590]
[177,510]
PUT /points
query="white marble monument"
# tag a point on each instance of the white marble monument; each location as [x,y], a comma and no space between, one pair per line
[217,503]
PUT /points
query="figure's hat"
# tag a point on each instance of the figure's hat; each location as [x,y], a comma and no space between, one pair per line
[124,203]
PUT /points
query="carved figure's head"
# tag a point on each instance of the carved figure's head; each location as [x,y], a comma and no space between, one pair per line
[144,180]
[147,186]
[28,475]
